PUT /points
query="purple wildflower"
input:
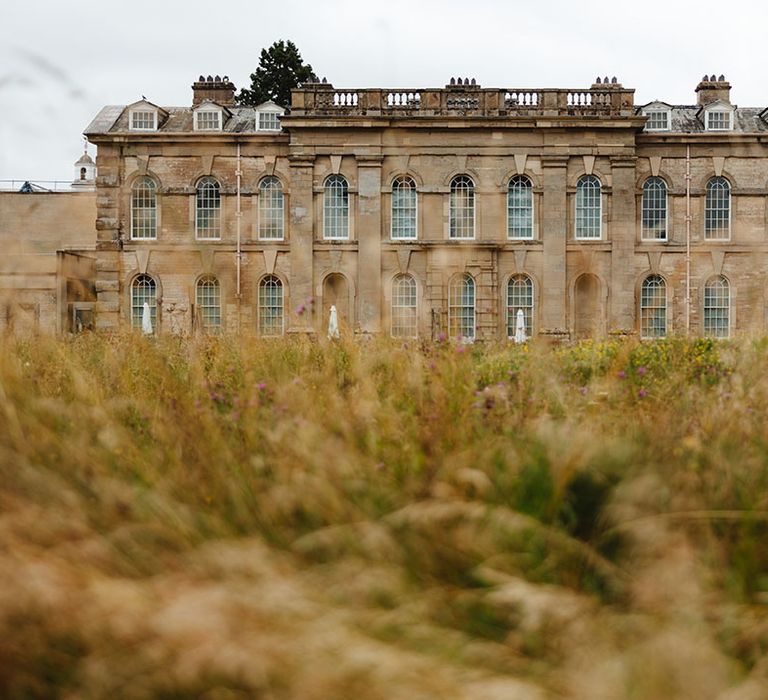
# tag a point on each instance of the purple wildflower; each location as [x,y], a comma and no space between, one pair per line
[622,374]
[641,371]
[642,393]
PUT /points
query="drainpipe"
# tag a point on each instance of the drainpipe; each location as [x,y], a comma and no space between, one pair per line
[239,253]
[687,240]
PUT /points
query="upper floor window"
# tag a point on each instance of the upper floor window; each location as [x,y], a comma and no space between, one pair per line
[144,209]
[208,209]
[461,307]
[461,210]
[589,208]
[143,120]
[271,306]
[717,209]
[717,307]
[336,208]
[143,290]
[519,298]
[209,304]
[718,120]
[653,307]
[403,208]
[271,209]
[658,120]
[207,119]
[654,209]
[520,208]
[404,322]
[269,121]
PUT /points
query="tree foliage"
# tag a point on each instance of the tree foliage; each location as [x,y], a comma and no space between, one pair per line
[281,68]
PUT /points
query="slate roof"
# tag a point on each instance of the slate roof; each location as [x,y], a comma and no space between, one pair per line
[686,120]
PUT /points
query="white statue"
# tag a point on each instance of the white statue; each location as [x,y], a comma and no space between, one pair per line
[333,324]
[146,320]
[520,336]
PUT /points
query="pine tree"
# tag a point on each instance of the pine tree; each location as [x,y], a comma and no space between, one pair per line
[281,68]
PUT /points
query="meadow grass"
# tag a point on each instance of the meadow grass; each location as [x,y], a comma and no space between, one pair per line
[233,517]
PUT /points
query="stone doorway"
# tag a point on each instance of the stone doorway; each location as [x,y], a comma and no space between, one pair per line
[587,312]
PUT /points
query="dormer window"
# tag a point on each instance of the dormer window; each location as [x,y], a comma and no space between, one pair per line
[718,120]
[269,121]
[658,120]
[143,120]
[208,118]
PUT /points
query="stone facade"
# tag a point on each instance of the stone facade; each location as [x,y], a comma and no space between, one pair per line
[590,263]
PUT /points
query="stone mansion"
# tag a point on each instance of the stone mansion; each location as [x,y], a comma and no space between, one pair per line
[421,212]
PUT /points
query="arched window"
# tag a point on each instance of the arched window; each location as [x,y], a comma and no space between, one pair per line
[519,296]
[461,307]
[403,208]
[655,209]
[520,208]
[404,322]
[336,208]
[461,209]
[589,208]
[144,208]
[271,306]
[209,303]
[653,307]
[143,289]
[208,209]
[717,210]
[717,307]
[271,209]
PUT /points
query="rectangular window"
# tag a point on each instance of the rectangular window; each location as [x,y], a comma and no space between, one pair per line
[718,121]
[143,120]
[208,121]
[269,121]
[658,120]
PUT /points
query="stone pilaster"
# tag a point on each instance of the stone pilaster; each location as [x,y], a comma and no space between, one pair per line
[554,232]
[621,317]
[368,232]
[302,216]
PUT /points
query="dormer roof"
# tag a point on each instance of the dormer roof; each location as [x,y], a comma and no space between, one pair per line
[210,103]
[146,104]
[269,105]
[716,106]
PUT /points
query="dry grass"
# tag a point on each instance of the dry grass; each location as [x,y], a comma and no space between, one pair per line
[225,518]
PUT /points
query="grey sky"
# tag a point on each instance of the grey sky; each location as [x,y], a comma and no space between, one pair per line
[60,62]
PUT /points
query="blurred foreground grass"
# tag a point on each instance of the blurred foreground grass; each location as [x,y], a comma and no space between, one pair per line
[235,518]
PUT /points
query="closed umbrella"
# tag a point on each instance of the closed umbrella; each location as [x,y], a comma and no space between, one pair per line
[520,336]
[146,320]
[333,324]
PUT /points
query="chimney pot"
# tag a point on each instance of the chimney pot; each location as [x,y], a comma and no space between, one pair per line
[710,89]
[220,91]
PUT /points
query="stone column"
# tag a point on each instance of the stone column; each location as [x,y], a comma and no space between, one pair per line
[108,243]
[302,243]
[368,233]
[554,293]
[621,318]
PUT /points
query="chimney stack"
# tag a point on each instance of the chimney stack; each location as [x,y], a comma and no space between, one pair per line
[713,88]
[219,90]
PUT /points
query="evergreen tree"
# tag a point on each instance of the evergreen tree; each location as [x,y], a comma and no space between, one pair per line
[281,68]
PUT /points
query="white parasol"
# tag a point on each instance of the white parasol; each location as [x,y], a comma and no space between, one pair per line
[333,324]
[146,320]
[520,336]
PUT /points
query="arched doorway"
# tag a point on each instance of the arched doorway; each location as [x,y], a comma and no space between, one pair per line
[336,293]
[587,312]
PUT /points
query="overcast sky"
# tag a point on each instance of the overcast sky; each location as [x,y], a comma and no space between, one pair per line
[61,61]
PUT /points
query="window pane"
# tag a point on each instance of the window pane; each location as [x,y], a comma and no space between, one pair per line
[461,215]
[588,207]
[208,121]
[271,306]
[717,306]
[520,208]
[208,208]
[404,208]
[336,208]
[143,290]
[461,307]
[653,308]
[655,209]
[717,213]
[271,207]
[144,209]
[519,297]
[269,121]
[404,322]
[209,303]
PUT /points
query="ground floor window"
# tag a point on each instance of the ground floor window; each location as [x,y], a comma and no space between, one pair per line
[461,307]
[717,308]
[209,304]
[519,298]
[143,289]
[271,306]
[404,322]
[653,307]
